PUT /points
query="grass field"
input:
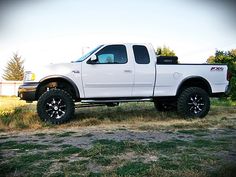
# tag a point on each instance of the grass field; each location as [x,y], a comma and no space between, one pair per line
[130,140]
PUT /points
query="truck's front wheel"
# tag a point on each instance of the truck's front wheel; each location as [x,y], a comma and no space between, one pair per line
[55,106]
[193,102]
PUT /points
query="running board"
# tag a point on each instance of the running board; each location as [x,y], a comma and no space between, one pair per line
[88,105]
[116,101]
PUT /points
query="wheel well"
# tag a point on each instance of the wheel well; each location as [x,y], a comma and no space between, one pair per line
[195,82]
[59,83]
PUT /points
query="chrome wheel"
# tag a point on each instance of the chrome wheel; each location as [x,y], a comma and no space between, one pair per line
[196,104]
[55,108]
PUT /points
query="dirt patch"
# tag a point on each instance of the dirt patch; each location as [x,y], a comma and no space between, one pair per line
[115,151]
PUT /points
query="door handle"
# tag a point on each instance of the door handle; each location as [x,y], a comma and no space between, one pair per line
[128,71]
[76,71]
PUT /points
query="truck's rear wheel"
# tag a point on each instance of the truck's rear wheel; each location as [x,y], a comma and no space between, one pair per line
[55,106]
[193,102]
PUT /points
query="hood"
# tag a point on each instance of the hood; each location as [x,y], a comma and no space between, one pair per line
[60,69]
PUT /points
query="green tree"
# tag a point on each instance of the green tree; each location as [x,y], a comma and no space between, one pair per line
[165,51]
[229,58]
[14,69]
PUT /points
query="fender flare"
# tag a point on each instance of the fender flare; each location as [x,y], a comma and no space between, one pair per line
[77,94]
[209,90]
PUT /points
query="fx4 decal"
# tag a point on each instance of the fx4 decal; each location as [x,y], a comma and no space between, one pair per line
[217,68]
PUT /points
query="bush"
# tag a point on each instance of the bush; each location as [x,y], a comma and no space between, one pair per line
[229,58]
[233,88]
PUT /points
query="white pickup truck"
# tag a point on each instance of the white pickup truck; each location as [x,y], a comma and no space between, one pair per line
[116,73]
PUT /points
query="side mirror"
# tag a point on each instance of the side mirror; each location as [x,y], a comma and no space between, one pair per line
[93,58]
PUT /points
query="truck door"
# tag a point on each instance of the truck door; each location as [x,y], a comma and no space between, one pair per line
[111,75]
[144,71]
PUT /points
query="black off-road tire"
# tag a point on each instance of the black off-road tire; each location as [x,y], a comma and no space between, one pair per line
[193,102]
[55,106]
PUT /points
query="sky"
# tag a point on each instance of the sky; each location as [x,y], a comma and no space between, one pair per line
[55,31]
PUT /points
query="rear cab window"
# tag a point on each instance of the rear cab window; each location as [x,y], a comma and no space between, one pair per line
[141,54]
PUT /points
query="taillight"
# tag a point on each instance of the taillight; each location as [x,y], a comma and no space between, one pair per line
[229,75]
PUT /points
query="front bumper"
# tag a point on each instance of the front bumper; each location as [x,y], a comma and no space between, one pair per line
[27,91]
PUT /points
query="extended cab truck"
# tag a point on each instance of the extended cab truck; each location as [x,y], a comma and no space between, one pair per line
[116,73]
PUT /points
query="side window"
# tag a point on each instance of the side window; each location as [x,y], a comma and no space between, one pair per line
[113,54]
[141,54]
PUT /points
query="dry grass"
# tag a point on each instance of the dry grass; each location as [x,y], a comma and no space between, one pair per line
[17,115]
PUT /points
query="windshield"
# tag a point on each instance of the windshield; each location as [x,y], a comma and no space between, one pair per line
[88,54]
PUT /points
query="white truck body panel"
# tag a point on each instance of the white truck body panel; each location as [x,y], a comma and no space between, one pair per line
[70,71]
[119,80]
[108,80]
[169,77]
[145,75]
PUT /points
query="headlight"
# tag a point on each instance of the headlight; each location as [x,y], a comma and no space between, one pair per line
[29,76]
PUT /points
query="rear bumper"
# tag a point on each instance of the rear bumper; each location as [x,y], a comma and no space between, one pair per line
[223,94]
[27,91]
[227,90]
